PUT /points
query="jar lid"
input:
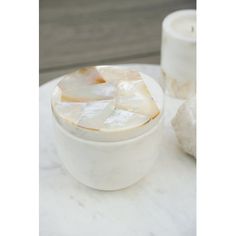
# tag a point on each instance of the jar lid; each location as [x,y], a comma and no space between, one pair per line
[107,103]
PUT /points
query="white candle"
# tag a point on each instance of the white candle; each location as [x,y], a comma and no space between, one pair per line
[178,53]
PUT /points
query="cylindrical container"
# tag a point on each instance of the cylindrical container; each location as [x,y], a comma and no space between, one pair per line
[178,53]
[110,161]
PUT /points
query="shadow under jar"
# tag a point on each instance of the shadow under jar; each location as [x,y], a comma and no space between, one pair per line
[108,125]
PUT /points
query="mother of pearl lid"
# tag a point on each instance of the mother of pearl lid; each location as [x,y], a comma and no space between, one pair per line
[107,103]
[178,53]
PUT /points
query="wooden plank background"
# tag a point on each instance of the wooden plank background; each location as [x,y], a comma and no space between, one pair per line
[75,33]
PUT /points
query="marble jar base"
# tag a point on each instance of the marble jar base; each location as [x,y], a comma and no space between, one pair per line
[108,165]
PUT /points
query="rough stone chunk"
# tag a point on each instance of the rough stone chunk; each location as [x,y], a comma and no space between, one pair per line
[184,124]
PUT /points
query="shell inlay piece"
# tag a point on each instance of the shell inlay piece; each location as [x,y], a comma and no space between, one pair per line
[104,98]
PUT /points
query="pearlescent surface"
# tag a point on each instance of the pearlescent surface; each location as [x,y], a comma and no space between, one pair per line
[105,98]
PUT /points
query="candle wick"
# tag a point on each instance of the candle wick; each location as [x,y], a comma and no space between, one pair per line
[192,29]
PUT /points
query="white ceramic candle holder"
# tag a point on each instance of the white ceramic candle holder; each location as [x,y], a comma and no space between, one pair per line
[111,165]
[178,53]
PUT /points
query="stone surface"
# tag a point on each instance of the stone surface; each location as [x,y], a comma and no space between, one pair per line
[184,124]
[162,203]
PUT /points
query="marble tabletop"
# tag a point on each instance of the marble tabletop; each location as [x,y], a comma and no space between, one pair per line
[161,204]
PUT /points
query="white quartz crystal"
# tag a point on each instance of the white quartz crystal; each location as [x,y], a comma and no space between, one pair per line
[106,99]
[184,124]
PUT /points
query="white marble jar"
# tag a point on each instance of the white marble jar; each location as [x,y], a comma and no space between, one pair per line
[114,162]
